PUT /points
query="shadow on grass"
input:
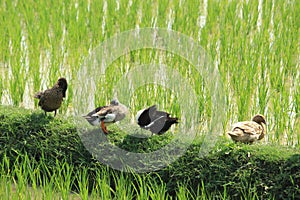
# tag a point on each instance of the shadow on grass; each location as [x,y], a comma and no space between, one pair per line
[39,120]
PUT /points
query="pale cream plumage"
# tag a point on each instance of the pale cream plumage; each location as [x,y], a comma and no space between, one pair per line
[249,131]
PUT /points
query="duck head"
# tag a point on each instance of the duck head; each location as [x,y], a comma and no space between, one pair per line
[62,83]
[260,119]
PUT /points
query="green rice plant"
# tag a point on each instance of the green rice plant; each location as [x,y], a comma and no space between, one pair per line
[21,177]
[263,90]
[102,188]
[47,181]
[7,188]
[5,180]
[140,188]
[63,178]
[184,193]
[157,189]
[82,177]
[123,187]
[297,112]
[20,181]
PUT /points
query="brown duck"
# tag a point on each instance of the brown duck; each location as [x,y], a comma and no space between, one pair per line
[51,99]
[107,115]
[249,131]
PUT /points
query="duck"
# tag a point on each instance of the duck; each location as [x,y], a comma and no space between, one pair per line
[107,115]
[157,122]
[248,131]
[51,99]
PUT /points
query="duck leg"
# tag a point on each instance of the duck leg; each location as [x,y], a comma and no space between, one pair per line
[103,127]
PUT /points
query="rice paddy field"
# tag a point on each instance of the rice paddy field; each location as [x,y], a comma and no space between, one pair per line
[209,62]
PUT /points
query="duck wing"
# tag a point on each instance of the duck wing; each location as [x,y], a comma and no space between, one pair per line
[111,113]
[248,127]
[50,99]
[157,125]
[95,110]
[93,119]
[161,122]
[104,111]
[146,116]
[158,114]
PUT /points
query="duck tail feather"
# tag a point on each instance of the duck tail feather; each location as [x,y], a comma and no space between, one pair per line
[38,95]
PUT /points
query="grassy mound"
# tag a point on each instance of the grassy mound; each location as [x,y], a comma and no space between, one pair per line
[230,170]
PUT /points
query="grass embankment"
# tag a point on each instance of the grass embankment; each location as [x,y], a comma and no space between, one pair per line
[47,154]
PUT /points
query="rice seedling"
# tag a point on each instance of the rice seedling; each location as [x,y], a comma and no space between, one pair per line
[102,187]
[82,178]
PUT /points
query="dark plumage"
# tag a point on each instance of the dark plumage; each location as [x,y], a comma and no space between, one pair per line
[248,131]
[157,122]
[50,100]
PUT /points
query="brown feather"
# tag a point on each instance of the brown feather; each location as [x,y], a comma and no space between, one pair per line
[110,114]
[50,100]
